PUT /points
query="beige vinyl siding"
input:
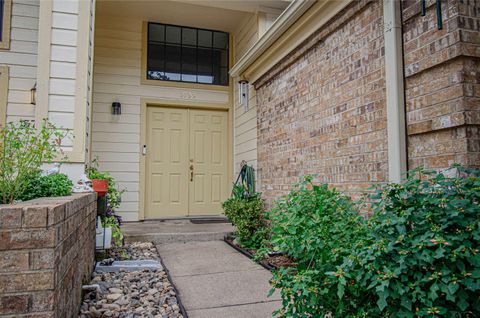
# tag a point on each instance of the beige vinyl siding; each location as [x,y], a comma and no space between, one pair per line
[116,139]
[63,67]
[64,74]
[21,59]
[245,122]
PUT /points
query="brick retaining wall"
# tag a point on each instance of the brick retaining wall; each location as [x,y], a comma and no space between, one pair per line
[46,251]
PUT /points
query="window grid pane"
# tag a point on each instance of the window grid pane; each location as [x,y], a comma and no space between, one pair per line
[1,20]
[189,54]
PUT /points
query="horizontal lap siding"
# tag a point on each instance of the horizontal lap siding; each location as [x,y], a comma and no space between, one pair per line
[116,139]
[22,59]
[245,144]
[63,66]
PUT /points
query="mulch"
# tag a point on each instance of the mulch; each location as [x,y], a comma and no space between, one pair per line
[270,262]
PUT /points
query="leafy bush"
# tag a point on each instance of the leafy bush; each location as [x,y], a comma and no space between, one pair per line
[23,149]
[247,215]
[317,227]
[422,253]
[54,185]
[418,256]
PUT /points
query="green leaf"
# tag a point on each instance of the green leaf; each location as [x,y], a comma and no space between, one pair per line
[340,290]
[406,303]
[452,288]
[382,302]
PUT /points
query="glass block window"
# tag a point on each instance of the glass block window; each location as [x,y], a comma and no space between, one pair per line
[184,54]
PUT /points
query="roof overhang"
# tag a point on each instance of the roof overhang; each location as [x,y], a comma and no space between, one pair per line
[299,21]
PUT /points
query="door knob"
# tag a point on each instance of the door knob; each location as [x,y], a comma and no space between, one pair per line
[191,172]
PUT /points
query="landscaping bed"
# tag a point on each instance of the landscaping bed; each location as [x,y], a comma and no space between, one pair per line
[146,293]
[270,262]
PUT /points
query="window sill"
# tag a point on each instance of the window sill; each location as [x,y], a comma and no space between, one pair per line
[209,87]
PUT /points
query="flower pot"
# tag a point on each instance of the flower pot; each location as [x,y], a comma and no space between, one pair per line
[100,186]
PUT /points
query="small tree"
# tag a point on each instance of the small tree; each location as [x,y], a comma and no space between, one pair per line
[23,149]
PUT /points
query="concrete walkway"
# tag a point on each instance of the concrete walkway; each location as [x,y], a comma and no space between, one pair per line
[216,281]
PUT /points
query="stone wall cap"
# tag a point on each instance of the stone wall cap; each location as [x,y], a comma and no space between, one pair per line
[50,202]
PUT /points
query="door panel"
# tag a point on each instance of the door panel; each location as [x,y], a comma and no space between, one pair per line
[166,162]
[186,163]
[209,152]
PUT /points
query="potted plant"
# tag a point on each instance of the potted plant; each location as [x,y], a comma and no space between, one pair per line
[100,186]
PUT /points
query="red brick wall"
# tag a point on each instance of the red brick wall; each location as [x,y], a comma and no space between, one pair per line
[46,249]
[442,69]
[322,111]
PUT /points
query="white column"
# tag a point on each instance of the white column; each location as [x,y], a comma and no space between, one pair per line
[397,150]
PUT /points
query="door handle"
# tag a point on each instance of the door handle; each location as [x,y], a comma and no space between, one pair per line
[191,172]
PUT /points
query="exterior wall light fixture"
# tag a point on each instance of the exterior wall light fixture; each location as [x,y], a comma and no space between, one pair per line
[33,95]
[243,94]
[116,108]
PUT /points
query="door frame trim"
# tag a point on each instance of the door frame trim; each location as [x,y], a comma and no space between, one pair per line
[149,102]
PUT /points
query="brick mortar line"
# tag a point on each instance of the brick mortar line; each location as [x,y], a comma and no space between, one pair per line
[30,271]
[30,314]
[461,55]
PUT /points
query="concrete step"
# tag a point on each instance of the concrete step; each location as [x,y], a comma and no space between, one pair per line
[175,231]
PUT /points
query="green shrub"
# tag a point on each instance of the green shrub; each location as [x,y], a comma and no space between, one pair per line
[422,253]
[23,149]
[247,215]
[54,185]
[317,227]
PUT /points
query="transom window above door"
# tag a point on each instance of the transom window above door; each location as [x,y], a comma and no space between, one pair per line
[184,54]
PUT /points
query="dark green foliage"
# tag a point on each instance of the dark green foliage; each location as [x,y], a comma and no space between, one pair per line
[418,256]
[317,227]
[54,185]
[422,254]
[247,215]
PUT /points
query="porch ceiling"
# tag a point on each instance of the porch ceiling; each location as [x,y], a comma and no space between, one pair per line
[224,15]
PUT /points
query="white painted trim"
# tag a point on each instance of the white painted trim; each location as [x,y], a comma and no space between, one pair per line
[43,67]
[397,145]
[291,14]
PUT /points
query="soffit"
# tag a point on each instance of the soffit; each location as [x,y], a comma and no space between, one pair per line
[223,15]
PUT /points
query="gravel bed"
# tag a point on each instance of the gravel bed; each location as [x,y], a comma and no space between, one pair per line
[136,250]
[132,294]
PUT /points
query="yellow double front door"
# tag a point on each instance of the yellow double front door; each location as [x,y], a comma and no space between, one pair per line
[186,162]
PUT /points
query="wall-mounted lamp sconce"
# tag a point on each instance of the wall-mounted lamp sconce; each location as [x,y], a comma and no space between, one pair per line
[116,108]
[33,95]
[243,93]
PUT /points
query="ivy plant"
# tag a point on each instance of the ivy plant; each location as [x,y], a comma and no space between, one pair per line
[421,257]
[317,227]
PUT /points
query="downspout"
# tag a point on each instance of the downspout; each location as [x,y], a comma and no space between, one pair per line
[395,90]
